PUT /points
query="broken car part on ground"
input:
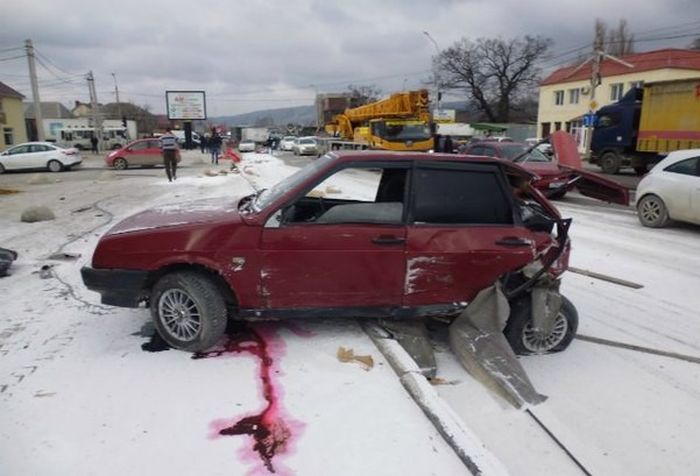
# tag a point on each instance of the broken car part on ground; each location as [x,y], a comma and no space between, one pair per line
[412,236]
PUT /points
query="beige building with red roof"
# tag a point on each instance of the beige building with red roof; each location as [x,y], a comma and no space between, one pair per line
[565,95]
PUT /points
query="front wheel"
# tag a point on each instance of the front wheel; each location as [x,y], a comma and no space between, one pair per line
[55,166]
[610,163]
[120,163]
[2,169]
[521,334]
[652,211]
[188,311]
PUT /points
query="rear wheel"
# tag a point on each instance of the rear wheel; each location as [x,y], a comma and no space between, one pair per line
[652,211]
[120,163]
[55,166]
[188,311]
[640,170]
[523,338]
[610,162]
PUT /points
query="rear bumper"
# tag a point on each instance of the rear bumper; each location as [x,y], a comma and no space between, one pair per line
[118,287]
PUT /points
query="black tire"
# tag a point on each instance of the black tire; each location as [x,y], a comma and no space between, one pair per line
[120,163]
[610,162]
[54,166]
[2,169]
[652,211]
[196,308]
[518,330]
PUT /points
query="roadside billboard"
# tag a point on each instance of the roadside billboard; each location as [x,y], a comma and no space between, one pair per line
[444,115]
[186,105]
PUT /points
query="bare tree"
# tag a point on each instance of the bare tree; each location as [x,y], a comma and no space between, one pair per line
[616,41]
[495,73]
[620,41]
[695,45]
[363,94]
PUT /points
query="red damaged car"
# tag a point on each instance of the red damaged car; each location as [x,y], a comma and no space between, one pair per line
[557,175]
[361,234]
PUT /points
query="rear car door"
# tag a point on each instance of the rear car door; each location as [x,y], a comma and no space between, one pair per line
[463,232]
[39,155]
[340,245]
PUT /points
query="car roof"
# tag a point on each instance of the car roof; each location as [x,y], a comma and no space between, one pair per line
[32,143]
[678,156]
[375,155]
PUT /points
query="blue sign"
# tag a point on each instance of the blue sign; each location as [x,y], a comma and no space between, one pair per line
[589,119]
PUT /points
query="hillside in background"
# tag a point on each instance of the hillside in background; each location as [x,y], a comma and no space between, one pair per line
[304,115]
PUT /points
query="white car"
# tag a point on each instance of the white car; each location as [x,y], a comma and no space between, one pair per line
[246,146]
[39,155]
[671,190]
[305,145]
[287,143]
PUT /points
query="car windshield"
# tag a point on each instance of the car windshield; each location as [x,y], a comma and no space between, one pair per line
[307,141]
[268,196]
[402,132]
[511,152]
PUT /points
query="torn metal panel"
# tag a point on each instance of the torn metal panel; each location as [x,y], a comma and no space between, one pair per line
[476,337]
[589,184]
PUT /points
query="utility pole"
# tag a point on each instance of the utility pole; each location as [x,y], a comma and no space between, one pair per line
[39,120]
[116,93]
[96,119]
[435,71]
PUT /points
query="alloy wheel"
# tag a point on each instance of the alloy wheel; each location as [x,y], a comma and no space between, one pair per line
[179,315]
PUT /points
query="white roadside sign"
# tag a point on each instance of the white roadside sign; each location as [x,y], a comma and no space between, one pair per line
[186,105]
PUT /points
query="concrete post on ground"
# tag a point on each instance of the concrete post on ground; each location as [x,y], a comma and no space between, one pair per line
[96,117]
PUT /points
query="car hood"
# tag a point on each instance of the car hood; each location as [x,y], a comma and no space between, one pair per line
[179,214]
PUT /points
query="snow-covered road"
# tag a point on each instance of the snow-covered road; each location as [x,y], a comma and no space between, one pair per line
[79,395]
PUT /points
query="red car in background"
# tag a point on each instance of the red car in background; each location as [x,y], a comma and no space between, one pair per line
[142,152]
[558,174]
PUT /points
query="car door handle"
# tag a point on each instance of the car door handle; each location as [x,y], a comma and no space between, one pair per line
[513,241]
[388,240]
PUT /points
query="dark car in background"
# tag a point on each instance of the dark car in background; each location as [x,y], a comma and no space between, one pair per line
[552,179]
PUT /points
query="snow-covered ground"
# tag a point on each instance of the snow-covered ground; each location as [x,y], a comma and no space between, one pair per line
[79,395]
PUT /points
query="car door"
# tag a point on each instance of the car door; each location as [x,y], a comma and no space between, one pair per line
[340,244]
[681,190]
[462,233]
[138,153]
[18,158]
[39,155]
[153,154]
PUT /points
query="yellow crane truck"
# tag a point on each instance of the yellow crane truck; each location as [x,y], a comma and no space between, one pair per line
[401,122]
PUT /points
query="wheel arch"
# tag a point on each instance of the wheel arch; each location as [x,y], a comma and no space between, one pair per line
[224,287]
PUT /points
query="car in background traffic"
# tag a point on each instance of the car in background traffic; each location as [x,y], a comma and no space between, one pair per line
[246,146]
[671,190]
[287,143]
[40,155]
[141,152]
[305,146]
[551,178]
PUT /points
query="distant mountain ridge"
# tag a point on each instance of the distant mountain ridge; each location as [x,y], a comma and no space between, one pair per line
[304,115]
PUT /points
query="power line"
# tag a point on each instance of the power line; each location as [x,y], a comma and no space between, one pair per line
[12,58]
[56,66]
[16,48]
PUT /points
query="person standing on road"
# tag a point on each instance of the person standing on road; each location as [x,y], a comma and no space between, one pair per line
[447,146]
[203,143]
[215,147]
[168,144]
[94,141]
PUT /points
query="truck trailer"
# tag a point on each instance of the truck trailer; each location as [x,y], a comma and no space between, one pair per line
[647,124]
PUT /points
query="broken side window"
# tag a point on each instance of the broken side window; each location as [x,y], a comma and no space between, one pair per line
[461,196]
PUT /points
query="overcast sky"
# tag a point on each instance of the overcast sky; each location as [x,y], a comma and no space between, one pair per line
[250,55]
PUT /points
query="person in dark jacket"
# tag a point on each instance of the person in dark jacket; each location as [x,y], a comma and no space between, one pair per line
[94,141]
[203,143]
[215,147]
[447,146]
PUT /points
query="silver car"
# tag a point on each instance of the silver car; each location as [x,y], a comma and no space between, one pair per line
[305,146]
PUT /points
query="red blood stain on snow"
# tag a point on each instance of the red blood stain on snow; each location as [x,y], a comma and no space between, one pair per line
[271,429]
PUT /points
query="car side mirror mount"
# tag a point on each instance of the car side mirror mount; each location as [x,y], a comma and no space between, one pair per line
[275,220]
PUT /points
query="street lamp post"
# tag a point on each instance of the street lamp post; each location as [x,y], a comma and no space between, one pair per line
[436,76]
